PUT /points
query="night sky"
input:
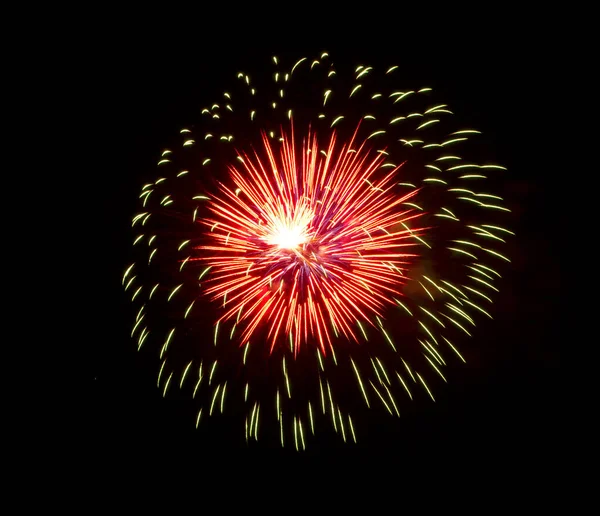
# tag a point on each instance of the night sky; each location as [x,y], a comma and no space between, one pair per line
[500,410]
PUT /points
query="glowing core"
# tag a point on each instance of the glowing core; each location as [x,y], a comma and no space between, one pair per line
[288,238]
[291,231]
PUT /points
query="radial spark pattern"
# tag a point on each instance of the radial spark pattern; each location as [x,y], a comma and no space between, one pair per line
[307,243]
[313,243]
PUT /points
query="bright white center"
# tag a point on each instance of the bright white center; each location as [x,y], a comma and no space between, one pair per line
[290,232]
[288,237]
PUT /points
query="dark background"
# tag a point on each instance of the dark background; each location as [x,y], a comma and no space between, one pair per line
[500,413]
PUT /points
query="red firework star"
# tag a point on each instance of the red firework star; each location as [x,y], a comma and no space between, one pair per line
[307,244]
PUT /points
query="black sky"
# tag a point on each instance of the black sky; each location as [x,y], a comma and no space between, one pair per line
[500,411]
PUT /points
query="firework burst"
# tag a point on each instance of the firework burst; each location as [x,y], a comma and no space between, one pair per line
[292,261]
[308,243]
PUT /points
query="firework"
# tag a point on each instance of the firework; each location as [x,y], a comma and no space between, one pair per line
[311,242]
